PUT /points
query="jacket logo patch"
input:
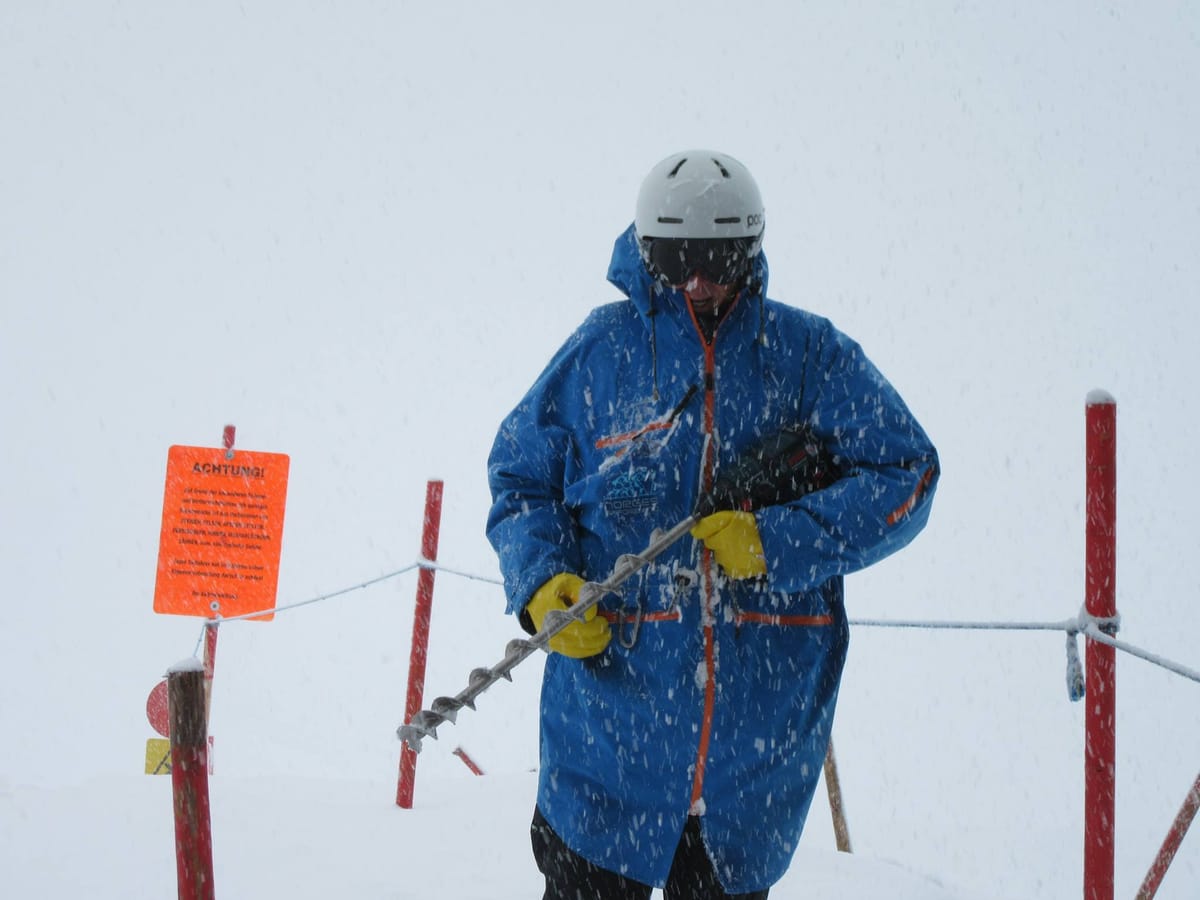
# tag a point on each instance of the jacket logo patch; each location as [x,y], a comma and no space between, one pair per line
[631,493]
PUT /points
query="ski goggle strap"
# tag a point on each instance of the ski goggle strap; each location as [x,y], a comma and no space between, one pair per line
[720,260]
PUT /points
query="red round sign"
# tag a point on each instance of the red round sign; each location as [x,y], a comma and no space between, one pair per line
[156,709]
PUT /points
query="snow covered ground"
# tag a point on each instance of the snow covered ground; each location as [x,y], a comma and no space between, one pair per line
[358,230]
[312,839]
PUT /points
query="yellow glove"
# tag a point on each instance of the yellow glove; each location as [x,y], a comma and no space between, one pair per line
[579,639]
[733,539]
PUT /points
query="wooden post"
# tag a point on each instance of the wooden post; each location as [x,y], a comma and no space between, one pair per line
[841,832]
[420,639]
[1101,603]
[189,781]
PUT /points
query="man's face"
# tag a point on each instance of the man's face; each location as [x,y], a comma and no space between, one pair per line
[705,296]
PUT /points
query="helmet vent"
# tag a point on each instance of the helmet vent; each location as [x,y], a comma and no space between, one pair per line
[669,220]
[724,171]
[678,166]
[727,220]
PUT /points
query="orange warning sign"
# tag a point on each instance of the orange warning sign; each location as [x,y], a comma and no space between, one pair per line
[222,525]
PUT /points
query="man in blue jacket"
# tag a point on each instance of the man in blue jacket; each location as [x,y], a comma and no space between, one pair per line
[684,723]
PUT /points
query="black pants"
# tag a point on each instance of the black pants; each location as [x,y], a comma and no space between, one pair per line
[571,877]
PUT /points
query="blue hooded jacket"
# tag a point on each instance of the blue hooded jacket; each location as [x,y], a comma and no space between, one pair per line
[715,697]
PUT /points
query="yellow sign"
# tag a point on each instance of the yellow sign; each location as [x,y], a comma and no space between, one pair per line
[222,525]
[158,756]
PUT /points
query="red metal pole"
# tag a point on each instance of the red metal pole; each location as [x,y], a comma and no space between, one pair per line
[420,638]
[189,783]
[1100,724]
[1174,838]
[467,761]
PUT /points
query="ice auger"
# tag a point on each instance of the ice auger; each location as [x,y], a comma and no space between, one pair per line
[783,467]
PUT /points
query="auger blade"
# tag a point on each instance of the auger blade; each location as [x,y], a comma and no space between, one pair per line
[518,646]
[409,737]
[504,668]
[555,621]
[426,722]
[632,561]
[447,708]
[515,651]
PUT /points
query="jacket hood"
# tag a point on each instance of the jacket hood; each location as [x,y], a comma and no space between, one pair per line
[627,273]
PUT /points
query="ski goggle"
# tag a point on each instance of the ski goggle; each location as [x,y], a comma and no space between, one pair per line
[720,260]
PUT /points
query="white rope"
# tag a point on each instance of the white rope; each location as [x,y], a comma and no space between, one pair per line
[438,567]
[1100,637]
[1090,626]
[421,563]
[1065,625]
[290,606]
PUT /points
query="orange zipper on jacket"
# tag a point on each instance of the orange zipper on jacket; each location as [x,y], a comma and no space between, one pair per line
[707,565]
[613,617]
[761,618]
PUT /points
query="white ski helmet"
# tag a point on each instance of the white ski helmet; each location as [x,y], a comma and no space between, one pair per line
[700,194]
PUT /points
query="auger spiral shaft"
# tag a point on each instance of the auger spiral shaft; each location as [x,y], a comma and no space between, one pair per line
[445,709]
